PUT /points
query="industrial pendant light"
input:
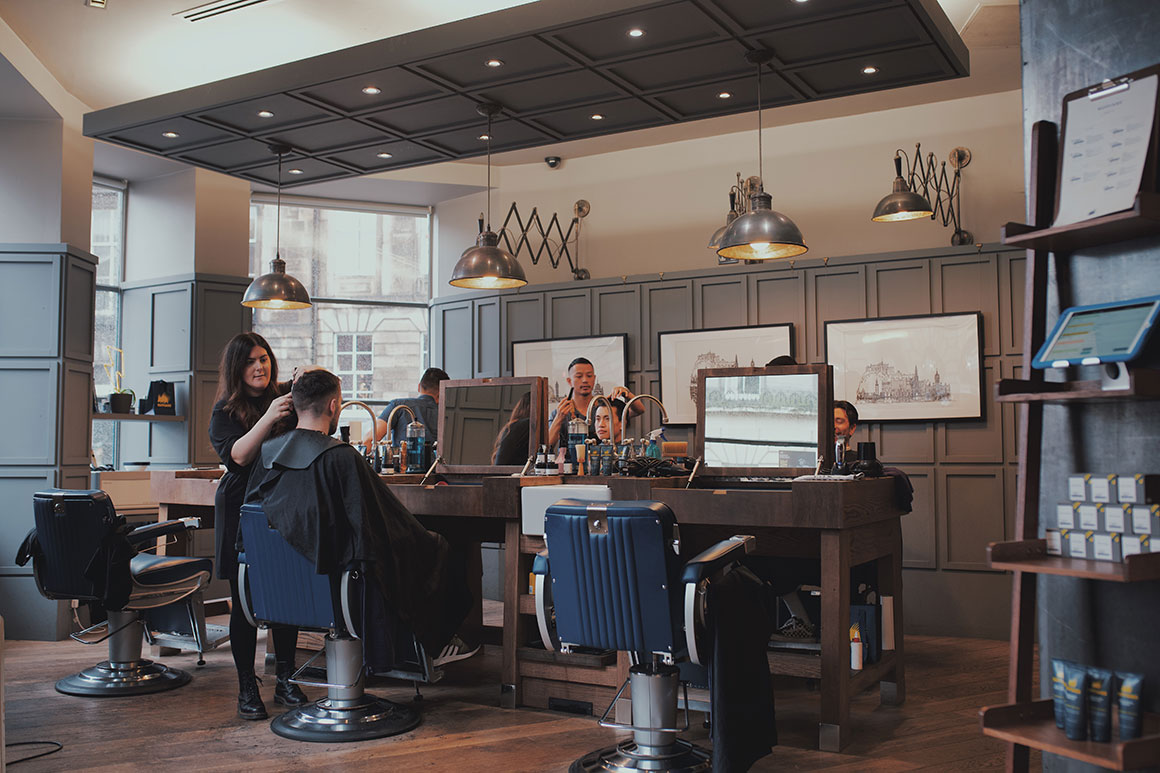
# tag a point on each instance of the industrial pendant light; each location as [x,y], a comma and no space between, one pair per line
[487,266]
[761,234]
[902,203]
[277,290]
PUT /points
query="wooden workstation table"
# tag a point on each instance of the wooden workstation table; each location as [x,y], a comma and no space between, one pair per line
[841,523]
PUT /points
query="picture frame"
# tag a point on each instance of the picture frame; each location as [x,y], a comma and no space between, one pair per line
[683,352]
[911,368]
[550,357]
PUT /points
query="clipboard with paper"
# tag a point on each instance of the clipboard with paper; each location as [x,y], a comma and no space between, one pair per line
[1108,146]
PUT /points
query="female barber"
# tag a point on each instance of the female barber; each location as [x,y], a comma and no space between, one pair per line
[250,407]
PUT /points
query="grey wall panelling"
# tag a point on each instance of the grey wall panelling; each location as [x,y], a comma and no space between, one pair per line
[170,317]
[569,313]
[521,319]
[1013,277]
[777,297]
[451,336]
[219,316]
[973,460]
[201,409]
[615,310]
[832,293]
[46,315]
[665,305]
[487,356]
[720,302]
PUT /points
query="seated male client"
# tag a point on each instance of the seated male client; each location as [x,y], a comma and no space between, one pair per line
[328,503]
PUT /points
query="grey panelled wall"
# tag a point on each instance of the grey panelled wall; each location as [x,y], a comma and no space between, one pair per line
[47,295]
[174,330]
[963,471]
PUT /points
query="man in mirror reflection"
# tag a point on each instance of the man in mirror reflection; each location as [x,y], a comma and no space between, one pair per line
[845,424]
[581,378]
[425,406]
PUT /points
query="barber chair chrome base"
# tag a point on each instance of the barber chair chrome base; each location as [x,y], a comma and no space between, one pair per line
[347,713]
[124,673]
[654,745]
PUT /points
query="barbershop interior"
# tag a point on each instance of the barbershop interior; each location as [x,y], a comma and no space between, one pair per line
[630,385]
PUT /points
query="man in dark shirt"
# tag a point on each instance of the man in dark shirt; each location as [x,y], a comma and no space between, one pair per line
[329,505]
[425,406]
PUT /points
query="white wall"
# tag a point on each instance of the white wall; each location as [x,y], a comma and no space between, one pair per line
[654,209]
[222,228]
[30,175]
[159,237]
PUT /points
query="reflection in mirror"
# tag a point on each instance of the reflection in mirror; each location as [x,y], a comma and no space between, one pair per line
[483,422]
[761,421]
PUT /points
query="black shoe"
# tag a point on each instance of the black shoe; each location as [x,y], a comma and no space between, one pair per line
[250,704]
[286,693]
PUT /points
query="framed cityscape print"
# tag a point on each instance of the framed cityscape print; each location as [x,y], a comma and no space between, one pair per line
[684,352]
[550,357]
[909,368]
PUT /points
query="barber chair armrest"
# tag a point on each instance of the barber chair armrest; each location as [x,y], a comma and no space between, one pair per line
[153,531]
[244,591]
[545,607]
[697,575]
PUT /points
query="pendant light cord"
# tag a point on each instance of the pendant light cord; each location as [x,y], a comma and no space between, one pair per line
[278,215]
[760,168]
[489,172]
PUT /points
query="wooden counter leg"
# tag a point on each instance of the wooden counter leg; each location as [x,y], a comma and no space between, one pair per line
[892,689]
[510,684]
[834,728]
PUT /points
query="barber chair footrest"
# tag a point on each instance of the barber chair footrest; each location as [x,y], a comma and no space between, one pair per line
[106,679]
[362,719]
[682,757]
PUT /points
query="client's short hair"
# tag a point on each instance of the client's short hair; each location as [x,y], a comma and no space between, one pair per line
[431,379]
[851,411]
[313,389]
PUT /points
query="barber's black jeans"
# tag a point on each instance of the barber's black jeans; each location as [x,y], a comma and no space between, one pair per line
[244,637]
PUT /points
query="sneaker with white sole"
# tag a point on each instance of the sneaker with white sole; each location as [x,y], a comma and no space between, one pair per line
[795,629]
[455,649]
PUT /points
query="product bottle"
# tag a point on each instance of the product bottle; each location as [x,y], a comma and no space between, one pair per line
[416,447]
[654,448]
[541,461]
[855,648]
[402,465]
[840,456]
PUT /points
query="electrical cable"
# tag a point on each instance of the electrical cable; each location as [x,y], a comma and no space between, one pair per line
[14,744]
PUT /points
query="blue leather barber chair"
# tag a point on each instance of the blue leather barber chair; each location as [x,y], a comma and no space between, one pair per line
[612,578]
[278,586]
[81,549]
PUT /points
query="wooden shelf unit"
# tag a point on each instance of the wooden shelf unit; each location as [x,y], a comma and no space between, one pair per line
[1031,556]
[1144,384]
[133,417]
[1033,724]
[1143,219]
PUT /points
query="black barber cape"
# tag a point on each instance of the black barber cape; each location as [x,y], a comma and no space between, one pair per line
[328,503]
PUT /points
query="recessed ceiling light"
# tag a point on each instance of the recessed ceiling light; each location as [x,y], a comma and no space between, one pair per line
[294,171]
[801,1]
[265,114]
[385,155]
[725,95]
[597,117]
[636,32]
[494,63]
[484,137]
[170,135]
[372,90]
[869,70]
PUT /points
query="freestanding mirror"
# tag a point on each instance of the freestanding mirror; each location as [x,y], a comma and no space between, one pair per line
[768,422]
[490,425]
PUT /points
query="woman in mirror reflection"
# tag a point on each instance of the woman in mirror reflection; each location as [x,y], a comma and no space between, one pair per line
[512,442]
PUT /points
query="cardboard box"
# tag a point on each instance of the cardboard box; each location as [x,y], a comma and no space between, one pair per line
[1065,515]
[1137,489]
[1142,519]
[1135,544]
[1106,547]
[1075,543]
[1054,543]
[1114,521]
[1077,486]
[1102,488]
[1088,517]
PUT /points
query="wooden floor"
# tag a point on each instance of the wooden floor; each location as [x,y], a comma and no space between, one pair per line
[463,729]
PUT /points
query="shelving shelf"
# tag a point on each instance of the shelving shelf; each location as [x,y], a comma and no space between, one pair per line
[1033,724]
[1143,219]
[1144,384]
[133,417]
[1031,556]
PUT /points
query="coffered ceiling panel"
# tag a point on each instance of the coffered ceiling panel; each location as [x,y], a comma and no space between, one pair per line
[551,66]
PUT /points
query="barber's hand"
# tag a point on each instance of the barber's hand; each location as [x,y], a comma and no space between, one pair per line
[281,407]
[621,392]
[300,369]
[565,409]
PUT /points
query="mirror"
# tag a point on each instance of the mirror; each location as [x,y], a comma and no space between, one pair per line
[773,421]
[490,425]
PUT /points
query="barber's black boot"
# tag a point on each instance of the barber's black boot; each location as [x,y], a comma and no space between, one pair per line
[250,704]
[286,692]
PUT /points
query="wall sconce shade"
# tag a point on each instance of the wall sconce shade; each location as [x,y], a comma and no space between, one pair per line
[487,267]
[904,202]
[277,289]
[763,234]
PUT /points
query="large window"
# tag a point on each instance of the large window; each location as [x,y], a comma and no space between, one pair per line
[368,271]
[108,244]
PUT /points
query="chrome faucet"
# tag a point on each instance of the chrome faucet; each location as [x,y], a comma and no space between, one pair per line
[624,418]
[391,420]
[371,450]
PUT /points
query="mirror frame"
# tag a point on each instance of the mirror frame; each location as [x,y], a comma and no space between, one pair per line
[825,374]
[536,427]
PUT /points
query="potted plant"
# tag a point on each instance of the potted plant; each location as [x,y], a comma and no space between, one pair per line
[120,399]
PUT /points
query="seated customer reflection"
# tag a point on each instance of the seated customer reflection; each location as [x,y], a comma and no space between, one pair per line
[328,503]
[512,442]
[606,423]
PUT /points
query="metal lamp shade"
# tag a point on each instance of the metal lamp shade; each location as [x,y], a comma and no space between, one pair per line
[487,267]
[901,204]
[715,239]
[762,234]
[276,290]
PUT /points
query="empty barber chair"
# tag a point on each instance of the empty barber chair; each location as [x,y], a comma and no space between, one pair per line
[81,549]
[612,578]
[279,587]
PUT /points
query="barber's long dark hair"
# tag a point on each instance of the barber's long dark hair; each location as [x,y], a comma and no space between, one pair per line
[521,410]
[239,404]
